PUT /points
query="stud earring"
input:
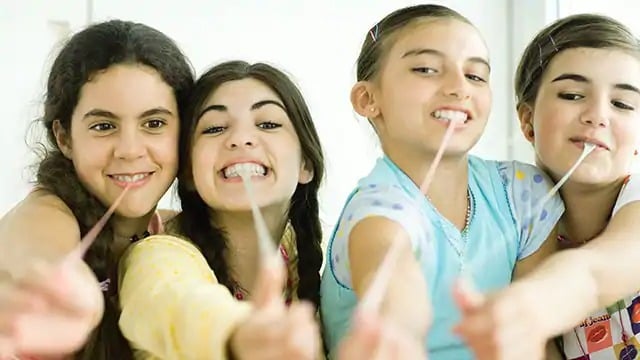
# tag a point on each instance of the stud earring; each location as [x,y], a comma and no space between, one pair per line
[530,132]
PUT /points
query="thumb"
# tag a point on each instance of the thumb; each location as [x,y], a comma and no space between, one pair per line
[466,296]
[270,283]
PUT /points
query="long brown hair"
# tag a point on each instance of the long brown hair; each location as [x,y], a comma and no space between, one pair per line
[194,221]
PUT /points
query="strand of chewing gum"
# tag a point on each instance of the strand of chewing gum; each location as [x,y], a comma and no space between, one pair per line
[588,148]
[539,207]
[266,246]
[428,179]
[88,239]
[372,300]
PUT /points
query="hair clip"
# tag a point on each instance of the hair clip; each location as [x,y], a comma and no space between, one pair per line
[374,33]
[555,48]
[553,43]
[540,54]
[104,285]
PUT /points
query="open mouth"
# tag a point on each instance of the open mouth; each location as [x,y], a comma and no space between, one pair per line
[253,169]
[130,178]
[581,141]
[461,117]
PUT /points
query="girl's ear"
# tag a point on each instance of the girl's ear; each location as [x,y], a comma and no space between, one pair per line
[525,115]
[306,173]
[363,100]
[63,140]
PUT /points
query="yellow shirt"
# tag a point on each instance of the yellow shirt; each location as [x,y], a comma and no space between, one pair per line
[172,304]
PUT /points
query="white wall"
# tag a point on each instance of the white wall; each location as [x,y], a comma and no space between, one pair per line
[625,11]
[526,18]
[317,42]
[29,29]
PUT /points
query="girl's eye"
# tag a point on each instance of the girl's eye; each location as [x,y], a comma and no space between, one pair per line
[474,77]
[213,130]
[268,125]
[424,70]
[621,105]
[102,127]
[570,96]
[155,123]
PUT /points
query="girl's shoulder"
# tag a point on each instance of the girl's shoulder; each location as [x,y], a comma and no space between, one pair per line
[41,225]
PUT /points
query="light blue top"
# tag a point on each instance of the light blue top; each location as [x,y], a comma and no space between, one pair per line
[505,226]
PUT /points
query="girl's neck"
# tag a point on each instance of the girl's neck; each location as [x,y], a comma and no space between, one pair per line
[588,209]
[125,228]
[243,254]
[448,189]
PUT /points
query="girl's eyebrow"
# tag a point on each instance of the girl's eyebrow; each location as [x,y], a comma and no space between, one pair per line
[256,106]
[110,115]
[584,79]
[423,51]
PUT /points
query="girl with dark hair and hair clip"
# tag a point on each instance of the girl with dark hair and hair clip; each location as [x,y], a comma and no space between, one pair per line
[183,296]
[577,85]
[112,111]
[423,83]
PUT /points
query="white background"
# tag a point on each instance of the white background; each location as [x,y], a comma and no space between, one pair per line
[317,42]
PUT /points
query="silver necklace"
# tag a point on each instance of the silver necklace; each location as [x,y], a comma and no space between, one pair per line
[471,205]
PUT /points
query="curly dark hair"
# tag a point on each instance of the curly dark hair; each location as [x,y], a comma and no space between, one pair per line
[89,51]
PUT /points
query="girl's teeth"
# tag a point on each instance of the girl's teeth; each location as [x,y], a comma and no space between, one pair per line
[247,168]
[130,178]
[451,115]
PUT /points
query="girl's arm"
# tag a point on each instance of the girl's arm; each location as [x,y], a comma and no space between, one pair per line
[40,227]
[174,308]
[598,273]
[35,236]
[172,304]
[561,292]
[406,301]
[595,275]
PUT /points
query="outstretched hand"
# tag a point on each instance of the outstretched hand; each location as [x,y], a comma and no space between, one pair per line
[50,310]
[499,326]
[273,330]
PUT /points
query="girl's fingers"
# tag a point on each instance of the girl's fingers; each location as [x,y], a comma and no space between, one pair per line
[33,334]
[63,288]
[303,332]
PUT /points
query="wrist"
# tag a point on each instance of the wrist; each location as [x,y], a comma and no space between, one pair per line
[538,301]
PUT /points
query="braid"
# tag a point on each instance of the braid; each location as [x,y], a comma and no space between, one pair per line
[304,217]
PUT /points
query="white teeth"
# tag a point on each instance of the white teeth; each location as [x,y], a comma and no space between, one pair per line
[130,178]
[247,168]
[450,115]
[592,144]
